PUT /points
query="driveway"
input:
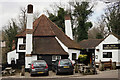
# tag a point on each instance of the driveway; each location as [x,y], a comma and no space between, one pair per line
[101,74]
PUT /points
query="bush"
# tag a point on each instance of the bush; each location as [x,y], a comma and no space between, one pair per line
[82,57]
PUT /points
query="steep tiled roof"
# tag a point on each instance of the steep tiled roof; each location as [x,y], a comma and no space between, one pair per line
[90,43]
[47,45]
[45,27]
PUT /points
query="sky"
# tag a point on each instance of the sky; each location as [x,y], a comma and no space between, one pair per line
[11,8]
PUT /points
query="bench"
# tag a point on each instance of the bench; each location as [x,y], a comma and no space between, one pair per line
[106,64]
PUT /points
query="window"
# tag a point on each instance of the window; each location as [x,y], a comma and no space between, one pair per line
[73,56]
[58,57]
[22,46]
[54,57]
[107,54]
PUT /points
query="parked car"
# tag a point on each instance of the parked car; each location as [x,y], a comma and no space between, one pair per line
[39,67]
[63,66]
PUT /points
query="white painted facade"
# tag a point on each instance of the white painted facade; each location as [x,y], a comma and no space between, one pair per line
[28,60]
[71,51]
[12,56]
[68,29]
[111,39]
[29,21]
[20,42]
[29,43]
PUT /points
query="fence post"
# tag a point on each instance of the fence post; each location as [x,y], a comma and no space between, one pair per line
[101,66]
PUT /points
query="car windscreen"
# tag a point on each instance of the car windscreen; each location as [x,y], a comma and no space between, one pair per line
[65,62]
[39,63]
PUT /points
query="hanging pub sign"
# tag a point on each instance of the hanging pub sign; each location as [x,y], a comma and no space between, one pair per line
[22,47]
[111,46]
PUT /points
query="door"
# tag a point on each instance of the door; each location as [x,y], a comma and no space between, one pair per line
[22,59]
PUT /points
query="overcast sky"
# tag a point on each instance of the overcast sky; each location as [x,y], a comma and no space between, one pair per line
[11,8]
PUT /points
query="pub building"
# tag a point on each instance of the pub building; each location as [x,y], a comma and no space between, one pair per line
[43,39]
[102,50]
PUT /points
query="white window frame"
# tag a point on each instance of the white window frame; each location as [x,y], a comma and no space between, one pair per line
[55,57]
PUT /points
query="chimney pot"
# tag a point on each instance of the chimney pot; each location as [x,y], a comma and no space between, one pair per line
[30,8]
[67,17]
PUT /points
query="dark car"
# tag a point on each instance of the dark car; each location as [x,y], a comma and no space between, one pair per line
[63,66]
[39,67]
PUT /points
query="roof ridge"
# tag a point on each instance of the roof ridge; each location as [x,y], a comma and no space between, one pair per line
[37,25]
[117,36]
[43,25]
[49,23]
[63,33]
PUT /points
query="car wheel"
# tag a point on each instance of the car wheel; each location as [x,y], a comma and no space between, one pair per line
[56,72]
[31,74]
[47,74]
[53,70]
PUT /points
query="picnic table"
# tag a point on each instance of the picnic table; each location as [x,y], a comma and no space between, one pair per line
[87,69]
[8,71]
[80,67]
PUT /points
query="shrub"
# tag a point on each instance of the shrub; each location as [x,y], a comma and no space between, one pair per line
[82,57]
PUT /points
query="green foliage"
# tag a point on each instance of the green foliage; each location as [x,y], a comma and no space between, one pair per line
[82,57]
[10,33]
[59,19]
[81,13]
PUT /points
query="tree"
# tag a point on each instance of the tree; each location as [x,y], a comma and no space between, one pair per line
[99,31]
[81,14]
[59,18]
[112,16]
[99,36]
[23,17]
[10,33]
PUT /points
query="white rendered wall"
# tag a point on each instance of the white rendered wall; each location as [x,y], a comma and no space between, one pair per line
[68,29]
[28,43]
[29,36]
[11,55]
[118,54]
[28,60]
[34,57]
[70,51]
[29,21]
[20,41]
[111,39]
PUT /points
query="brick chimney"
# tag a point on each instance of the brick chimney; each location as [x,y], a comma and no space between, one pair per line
[68,27]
